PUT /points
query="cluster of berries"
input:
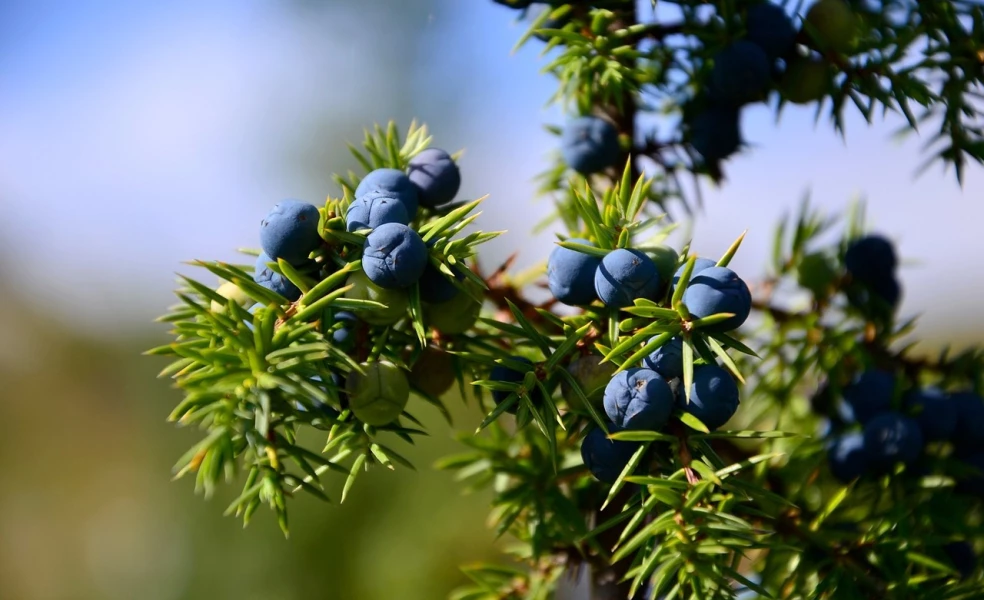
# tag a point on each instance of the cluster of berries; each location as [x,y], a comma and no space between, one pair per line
[897,432]
[394,258]
[641,398]
[744,71]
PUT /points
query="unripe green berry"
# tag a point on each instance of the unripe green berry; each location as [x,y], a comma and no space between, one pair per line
[433,372]
[666,260]
[816,273]
[379,396]
[834,25]
[396,301]
[805,80]
[231,292]
[455,316]
[592,377]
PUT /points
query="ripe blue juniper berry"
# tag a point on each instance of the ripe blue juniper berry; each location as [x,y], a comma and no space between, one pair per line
[624,275]
[393,183]
[375,208]
[571,274]
[290,231]
[436,176]
[590,145]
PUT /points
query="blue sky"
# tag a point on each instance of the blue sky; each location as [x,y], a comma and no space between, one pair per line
[139,135]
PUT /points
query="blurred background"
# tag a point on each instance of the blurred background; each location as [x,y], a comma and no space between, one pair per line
[135,136]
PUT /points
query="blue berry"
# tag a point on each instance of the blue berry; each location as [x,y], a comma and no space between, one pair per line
[887,288]
[699,265]
[713,396]
[373,209]
[436,287]
[570,274]
[394,256]
[667,360]
[969,430]
[342,335]
[589,145]
[718,290]
[741,73]
[934,411]
[606,458]
[770,28]
[505,374]
[715,133]
[436,176]
[869,395]
[273,281]
[625,275]
[890,438]
[394,184]
[870,259]
[639,399]
[847,457]
[290,231]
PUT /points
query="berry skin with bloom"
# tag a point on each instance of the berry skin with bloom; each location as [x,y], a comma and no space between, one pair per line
[890,438]
[396,301]
[290,231]
[454,316]
[378,397]
[436,176]
[741,74]
[639,399]
[592,377]
[847,457]
[505,374]
[570,274]
[870,394]
[770,28]
[667,360]
[374,209]
[433,372]
[699,265]
[273,281]
[589,145]
[394,256]
[393,183]
[624,275]
[606,458]
[870,259]
[934,411]
[718,290]
[716,133]
[713,396]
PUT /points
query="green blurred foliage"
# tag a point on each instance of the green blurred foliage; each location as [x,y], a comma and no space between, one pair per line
[85,513]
